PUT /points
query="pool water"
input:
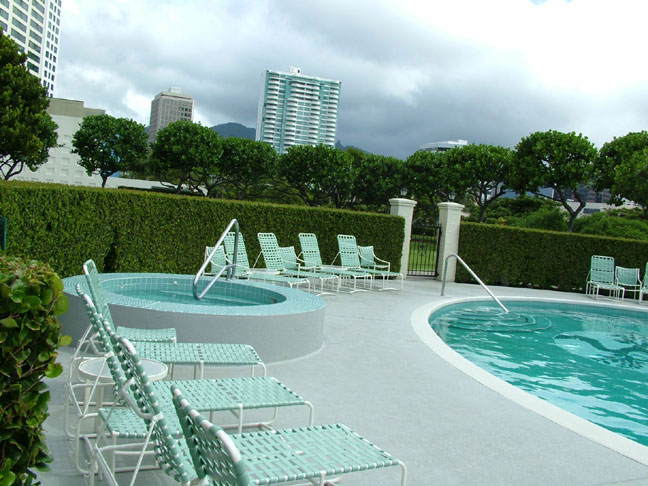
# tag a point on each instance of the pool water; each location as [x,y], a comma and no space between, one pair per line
[589,360]
[180,297]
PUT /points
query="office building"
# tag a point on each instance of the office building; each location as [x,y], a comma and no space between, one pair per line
[35,27]
[443,146]
[295,109]
[167,107]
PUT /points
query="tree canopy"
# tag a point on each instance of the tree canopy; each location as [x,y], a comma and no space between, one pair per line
[107,145]
[27,132]
[560,161]
[187,153]
[378,178]
[321,175]
[246,167]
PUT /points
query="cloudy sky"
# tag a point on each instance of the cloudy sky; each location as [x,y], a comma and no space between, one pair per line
[412,71]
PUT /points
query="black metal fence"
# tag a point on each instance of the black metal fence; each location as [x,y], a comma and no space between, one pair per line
[423,253]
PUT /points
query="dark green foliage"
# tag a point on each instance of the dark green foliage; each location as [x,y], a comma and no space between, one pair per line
[609,223]
[525,212]
[130,231]
[107,145]
[187,153]
[561,161]
[519,257]
[27,132]
[378,179]
[31,296]
[246,167]
[321,175]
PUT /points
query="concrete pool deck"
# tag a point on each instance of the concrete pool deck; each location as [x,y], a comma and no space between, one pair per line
[377,376]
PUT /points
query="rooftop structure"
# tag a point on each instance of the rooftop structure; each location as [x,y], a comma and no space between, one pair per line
[443,146]
[168,107]
[35,27]
[295,109]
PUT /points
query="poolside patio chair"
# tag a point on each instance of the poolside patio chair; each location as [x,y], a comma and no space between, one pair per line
[310,253]
[197,355]
[351,257]
[601,277]
[628,278]
[234,395]
[135,334]
[218,260]
[644,285]
[317,454]
[243,269]
[294,265]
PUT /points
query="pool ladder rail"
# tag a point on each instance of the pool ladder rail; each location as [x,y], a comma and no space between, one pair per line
[229,268]
[474,275]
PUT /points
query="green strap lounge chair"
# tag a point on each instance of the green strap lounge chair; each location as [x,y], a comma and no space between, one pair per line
[310,253]
[644,285]
[628,278]
[243,269]
[197,355]
[316,455]
[601,277]
[233,395]
[351,258]
[134,334]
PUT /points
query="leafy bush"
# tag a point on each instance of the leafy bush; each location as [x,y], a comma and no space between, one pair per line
[519,257]
[616,224]
[131,231]
[31,298]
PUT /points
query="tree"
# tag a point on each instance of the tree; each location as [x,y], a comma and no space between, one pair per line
[246,166]
[107,145]
[187,153]
[557,160]
[378,179]
[483,170]
[27,132]
[622,167]
[321,175]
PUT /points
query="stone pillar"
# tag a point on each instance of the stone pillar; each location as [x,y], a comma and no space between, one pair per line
[450,220]
[404,208]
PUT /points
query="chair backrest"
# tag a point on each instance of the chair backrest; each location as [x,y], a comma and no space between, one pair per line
[168,453]
[367,256]
[212,450]
[310,250]
[289,257]
[96,292]
[348,248]
[271,253]
[217,260]
[602,269]
[644,284]
[242,261]
[627,276]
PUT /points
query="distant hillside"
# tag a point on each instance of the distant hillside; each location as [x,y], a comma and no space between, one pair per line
[234,130]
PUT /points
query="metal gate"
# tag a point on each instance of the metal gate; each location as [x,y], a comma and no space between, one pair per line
[423,253]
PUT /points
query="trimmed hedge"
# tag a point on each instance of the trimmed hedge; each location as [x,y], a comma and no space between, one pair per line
[31,296]
[131,231]
[519,257]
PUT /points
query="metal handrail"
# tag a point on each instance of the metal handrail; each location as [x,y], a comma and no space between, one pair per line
[230,268]
[474,275]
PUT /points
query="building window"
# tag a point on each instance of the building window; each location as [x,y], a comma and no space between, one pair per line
[5,3]
[36,26]
[18,35]
[19,14]
[4,14]
[3,26]
[38,16]
[23,5]
[32,67]
[38,6]
[19,24]
[35,36]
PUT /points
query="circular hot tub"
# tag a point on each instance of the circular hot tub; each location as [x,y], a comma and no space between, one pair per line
[281,323]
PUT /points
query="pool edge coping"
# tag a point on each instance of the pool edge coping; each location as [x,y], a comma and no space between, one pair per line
[568,420]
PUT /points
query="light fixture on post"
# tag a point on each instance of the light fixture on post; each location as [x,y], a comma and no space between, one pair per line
[403,191]
[451,196]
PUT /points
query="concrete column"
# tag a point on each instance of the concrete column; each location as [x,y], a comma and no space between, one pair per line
[450,221]
[404,208]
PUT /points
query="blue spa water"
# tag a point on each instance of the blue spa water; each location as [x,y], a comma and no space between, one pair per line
[183,297]
[589,360]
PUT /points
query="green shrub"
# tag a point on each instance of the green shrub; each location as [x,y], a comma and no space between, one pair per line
[612,225]
[31,298]
[134,231]
[520,257]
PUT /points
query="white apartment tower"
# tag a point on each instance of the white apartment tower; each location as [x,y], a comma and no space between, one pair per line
[295,109]
[35,26]
[167,107]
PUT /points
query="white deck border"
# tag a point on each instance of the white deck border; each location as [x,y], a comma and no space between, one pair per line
[622,445]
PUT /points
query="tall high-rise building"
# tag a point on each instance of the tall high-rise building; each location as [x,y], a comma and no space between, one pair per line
[35,27]
[295,109]
[167,107]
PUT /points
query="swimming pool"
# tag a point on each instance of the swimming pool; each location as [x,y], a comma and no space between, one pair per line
[589,360]
[279,322]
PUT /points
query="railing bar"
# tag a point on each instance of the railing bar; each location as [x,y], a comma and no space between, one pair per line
[474,275]
[229,268]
